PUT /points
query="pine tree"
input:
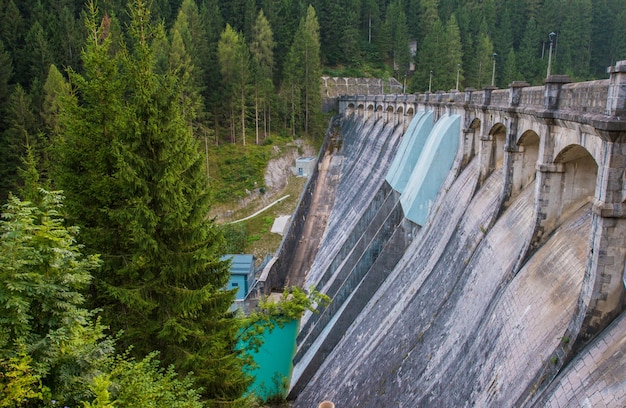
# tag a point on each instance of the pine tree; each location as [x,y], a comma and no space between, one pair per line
[262,50]
[574,40]
[431,60]
[208,66]
[453,56]
[396,28]
[234,58]
[528,61]
[162,280]
[301,84]
[510,72]
[21,132]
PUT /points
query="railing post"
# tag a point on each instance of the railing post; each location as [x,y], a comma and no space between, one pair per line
[616,101]
[552,90]
[515,93]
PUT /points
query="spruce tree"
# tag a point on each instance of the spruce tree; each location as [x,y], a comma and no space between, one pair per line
[234,59]
[135,181]
[262,50]
[301,84]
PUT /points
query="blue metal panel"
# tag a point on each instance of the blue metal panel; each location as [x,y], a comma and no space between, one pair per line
[409,151]
[431,169]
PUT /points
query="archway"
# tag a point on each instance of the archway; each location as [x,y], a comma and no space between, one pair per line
[578,182]
[525,162]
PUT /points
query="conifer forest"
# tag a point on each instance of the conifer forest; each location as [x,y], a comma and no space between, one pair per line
[112,284]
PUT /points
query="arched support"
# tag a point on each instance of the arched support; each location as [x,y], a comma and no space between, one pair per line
[603,296]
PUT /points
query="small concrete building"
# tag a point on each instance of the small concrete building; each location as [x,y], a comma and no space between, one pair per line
[241,274]
[304,166]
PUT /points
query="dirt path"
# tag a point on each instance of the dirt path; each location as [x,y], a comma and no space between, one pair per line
[317,219]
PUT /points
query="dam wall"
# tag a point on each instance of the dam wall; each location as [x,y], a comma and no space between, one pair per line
[509,291]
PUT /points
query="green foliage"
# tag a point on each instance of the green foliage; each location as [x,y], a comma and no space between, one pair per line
[130,383]
[270,313]
[234,60]
[161,268]
[235,237]
[18,383]
[301,87]
[237,170]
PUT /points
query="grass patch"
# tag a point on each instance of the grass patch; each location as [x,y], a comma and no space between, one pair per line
[235,170]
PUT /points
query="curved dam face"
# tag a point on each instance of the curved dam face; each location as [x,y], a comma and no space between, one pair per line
[450,283]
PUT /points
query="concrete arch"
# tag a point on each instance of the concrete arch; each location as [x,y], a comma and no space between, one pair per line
[410,111]
[578,182]
[572,134]
[369,111]
[400,110]
[390,113]
[350,109]
[498,136]
[471,139]
[379,111]
[525,161]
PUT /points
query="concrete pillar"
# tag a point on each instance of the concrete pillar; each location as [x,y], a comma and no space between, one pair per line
[603,288]
[488,90]
[468,95]
[547,200]
[552,90]
[485,153]
[513,158]
[515,92]
[616,101]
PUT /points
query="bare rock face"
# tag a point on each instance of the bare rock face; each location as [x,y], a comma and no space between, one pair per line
[279,168]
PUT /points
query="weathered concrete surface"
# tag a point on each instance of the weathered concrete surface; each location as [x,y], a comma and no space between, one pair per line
[356,257]
[451,326]
[518,266]
[597,377]
[454,323]
[322,198]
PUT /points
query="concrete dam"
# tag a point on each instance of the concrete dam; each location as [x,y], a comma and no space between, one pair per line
[474,253]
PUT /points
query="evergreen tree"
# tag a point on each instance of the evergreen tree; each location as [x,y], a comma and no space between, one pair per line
[162,279]
[618,40]
[574,40]
[529,62]
[284,17]
[302,73]
[371,27]
[21,132]
[262,50]
[6,73]
[38,52]
[432,59]
[234,58]
[510,72]
[396,28]
[54,88]
[208,65]
[484,58]
[187,40]
[453,57]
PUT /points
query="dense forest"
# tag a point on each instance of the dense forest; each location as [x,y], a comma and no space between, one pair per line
[112,284]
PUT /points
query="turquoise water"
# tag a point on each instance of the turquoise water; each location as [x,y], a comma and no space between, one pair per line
[274,360]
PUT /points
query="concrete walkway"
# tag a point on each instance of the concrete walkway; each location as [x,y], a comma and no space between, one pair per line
[260,211]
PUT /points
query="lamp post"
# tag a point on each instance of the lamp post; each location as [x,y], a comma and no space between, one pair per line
[552,36]
[493,71]
[430,80]
[458,70]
